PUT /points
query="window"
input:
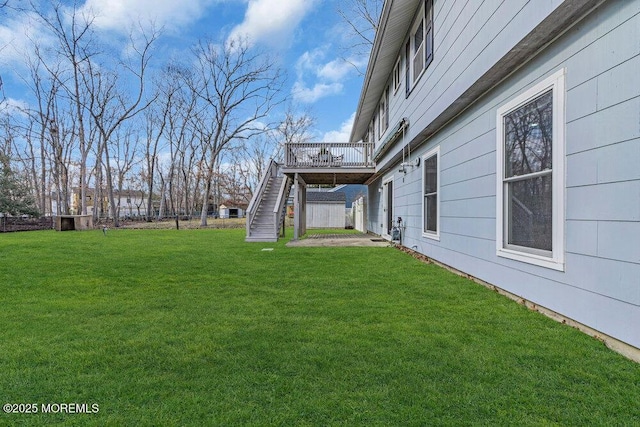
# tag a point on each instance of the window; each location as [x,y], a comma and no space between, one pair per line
[431,201]
[419,48]
[372,131]
[428,31]
[530,202]
[407,68]
[397,76]
[375,128]
[417,51]
[384,112]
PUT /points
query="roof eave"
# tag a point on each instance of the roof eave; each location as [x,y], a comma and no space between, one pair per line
[394,21]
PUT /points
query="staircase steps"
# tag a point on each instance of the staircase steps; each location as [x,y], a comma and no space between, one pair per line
[262,228]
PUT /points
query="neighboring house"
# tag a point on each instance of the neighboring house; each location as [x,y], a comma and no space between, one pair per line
[132,203]
[326,209]
[507,138]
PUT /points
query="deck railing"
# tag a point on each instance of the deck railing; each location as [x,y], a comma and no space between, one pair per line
[329,155]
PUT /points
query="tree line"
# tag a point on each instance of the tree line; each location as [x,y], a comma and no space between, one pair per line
[186,134]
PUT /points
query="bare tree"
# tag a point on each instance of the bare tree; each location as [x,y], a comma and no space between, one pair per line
[237,87]
[49,132]
[126,158]
[73,31]
[110,107]
[295,128]
[155,121]
[255,155]
[361,16]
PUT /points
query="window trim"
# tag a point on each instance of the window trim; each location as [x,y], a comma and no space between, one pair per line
[556,83]
[431,153]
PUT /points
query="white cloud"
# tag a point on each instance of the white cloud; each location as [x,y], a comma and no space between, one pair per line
[17,35]
[121,15]
[14,106]
[342,134]
[272,22]
[335,70]
[318,78]
[307,95]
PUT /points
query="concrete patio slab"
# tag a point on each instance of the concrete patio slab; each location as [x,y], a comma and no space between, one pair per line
[340,240]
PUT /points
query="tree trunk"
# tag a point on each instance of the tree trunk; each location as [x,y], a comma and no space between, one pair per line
[112,200]
[205,204]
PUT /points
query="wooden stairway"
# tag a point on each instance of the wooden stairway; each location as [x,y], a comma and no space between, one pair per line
[267,208]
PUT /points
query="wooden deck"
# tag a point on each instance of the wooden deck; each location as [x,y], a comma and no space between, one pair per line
[330,163]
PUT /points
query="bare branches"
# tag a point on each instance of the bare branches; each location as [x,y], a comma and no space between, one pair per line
[86,129]
[361,17]
[239,87]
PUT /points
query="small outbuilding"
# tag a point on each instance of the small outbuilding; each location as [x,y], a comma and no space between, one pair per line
[326,209]
[74,222]
[231,212]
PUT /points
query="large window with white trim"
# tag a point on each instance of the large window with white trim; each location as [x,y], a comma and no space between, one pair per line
[530,191]
[431,197]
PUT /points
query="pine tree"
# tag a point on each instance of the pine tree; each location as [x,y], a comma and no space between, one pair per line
[15,197]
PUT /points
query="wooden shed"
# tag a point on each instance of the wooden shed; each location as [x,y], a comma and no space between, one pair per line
[326,209]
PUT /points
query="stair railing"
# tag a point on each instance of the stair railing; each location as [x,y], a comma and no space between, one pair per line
[252,209]
[279,208]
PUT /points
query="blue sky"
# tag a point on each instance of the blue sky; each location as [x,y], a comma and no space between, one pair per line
[306,36]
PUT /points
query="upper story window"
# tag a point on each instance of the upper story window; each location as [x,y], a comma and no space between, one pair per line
[417,50]
[397,76]
[419,47]
[530,193]
[374,128]
[384,112]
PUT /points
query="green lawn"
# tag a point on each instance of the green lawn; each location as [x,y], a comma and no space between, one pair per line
[196,327]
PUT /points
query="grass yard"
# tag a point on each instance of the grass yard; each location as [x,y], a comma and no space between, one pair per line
[196,327]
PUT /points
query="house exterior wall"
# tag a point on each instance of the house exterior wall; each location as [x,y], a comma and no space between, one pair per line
[599,284]
[131,205]
[469,38]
